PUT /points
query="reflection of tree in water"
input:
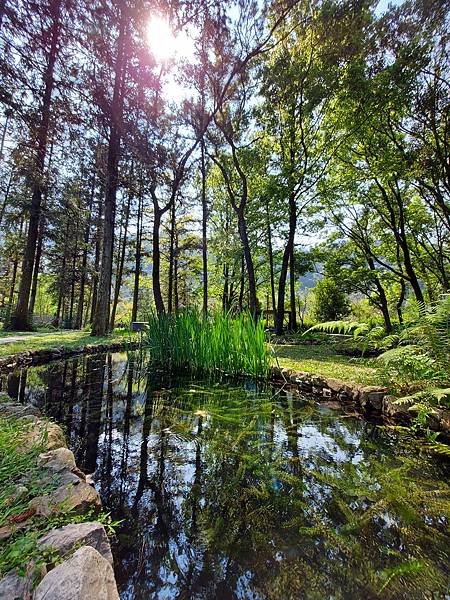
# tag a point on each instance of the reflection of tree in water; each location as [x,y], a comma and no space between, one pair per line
[227,492]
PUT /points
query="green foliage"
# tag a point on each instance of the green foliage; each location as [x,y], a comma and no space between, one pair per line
[221,342]
[423,357]
[20,481]
[330,302]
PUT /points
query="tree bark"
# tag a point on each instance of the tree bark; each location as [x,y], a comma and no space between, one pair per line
[37,263]
[137,263]
[171,260]
[100,321]
[20,319]
[293,312]
[279,327]
[156,271]
[204,230]
[119,275]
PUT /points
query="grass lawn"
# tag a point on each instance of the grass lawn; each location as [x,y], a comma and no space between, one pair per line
[57,339]
[325,360]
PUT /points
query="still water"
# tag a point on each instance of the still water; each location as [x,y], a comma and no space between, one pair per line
[229,490]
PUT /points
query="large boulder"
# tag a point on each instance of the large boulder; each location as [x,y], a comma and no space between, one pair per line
[76,496]
[64,539]
[85,575]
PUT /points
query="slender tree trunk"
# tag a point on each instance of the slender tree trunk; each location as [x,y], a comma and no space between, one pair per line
[20,320]
[225,298]
[137,263]
[285,264]
[382,299]
[101,315]
[73,276]
[241,286]
[272,272]
[87,233]
[6,198]
[156,271]
[400,302]
[242,225]
[293,311]
[37,263]
[171,259]
[204,229]
[175,273]
[98,250]
[119,275]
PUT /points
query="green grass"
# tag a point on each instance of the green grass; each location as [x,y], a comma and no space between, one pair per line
[18,466]
[230,345]
[48,341]
[326,361]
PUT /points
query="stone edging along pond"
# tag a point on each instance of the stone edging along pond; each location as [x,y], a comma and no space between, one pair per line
[370,401]
[84,568]
[36,357]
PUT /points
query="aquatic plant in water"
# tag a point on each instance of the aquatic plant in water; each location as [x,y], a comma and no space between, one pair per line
[235,345]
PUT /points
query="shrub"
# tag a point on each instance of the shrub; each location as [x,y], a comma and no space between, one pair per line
[330,302]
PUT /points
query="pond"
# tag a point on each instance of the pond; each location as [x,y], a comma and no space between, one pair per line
[233,490]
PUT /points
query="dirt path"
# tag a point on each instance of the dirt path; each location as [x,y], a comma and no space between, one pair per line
[20,338]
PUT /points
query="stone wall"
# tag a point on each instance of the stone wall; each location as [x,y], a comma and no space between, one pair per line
[36,357]
[84,567]
[370,401]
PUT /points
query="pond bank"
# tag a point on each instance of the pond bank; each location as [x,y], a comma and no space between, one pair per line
[73,560]
[370,401]
[41,356]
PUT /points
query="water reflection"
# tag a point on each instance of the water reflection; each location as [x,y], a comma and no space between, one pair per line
[230,491]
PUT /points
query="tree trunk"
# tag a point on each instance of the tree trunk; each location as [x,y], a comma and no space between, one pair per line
[272,272]
[87,232]
[285,264]
[204,230]
[382,299]
[101,315]
[243,234]
[98,249]
[137,264]
[293,312]
[20,319]
[156,283]
[171,259]
[37,263]
[119,275]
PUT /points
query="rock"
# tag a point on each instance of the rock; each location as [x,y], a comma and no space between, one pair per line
[77,496]
[14,586]
[371,398]
[396,412]
[86,575]
[19,491]
[336,385]
[63,540]
[16,410]
[57,460]
[6,531]
[46,432]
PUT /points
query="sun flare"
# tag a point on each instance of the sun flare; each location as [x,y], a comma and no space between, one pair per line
[163,43]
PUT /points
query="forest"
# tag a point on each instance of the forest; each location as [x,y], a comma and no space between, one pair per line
[213,154]
[224,299]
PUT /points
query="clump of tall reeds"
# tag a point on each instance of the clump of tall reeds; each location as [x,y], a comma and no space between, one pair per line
[234,345]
